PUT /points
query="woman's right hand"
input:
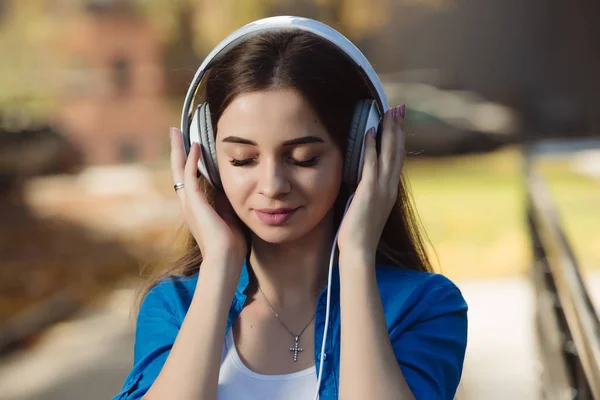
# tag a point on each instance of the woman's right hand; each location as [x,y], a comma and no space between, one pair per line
[218,230]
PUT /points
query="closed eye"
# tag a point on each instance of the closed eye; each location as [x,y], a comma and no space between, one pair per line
[240,163]
[306,163]
[300,163]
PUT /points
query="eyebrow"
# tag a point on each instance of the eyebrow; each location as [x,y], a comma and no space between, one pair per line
[292,142]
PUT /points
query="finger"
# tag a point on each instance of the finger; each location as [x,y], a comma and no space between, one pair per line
[370,167]
[387,157]
[177,158]
[196,204]
[191,169]
[400,146]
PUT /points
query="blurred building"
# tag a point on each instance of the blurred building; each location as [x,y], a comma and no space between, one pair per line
[112,105]
[540,57]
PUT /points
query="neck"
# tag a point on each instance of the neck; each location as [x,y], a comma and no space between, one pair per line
[293,274]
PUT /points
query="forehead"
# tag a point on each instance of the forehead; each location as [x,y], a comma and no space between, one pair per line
[275,114]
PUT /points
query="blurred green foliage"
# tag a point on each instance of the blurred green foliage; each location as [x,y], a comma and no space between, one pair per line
[29,63]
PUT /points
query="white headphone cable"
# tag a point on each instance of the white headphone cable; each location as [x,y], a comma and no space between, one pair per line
[331,258]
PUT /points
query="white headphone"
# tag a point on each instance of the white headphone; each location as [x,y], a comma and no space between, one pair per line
[368,113]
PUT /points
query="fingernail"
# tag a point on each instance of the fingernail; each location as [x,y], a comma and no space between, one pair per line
[172,132]
[403,110]
[373,131]
[389,113]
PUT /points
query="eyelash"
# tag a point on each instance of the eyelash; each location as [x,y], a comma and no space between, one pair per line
[306,163]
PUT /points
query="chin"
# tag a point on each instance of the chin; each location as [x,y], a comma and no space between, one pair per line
[294,229]
[279,234]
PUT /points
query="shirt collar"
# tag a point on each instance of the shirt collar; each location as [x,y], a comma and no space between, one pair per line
[244,278]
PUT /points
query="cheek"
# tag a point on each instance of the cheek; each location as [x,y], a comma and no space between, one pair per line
[327,179]
[325,182]
[234,177]
[235,185]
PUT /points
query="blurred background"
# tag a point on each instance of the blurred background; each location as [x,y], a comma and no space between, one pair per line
[504,162]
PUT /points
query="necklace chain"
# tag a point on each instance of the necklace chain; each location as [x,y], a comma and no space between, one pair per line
[282,323]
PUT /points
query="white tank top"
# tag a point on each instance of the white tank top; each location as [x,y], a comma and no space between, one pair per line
[238,382]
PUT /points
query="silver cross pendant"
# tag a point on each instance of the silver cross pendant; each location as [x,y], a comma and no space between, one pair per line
[296,349]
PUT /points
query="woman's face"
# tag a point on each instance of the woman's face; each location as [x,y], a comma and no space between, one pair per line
[279,167]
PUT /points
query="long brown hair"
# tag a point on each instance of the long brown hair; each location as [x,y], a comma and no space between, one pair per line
[332,85]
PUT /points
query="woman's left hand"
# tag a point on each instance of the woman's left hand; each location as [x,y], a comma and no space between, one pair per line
[377,190]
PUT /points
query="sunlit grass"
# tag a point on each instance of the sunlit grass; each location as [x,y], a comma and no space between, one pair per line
[472,208]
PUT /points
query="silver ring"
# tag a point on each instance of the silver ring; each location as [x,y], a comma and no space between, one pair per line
[178,185]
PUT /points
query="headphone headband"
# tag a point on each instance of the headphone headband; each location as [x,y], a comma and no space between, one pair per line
[286,22]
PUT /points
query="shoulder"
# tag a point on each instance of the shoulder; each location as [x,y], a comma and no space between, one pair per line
[426,317]
[411,295]
[172,294]
[401,282]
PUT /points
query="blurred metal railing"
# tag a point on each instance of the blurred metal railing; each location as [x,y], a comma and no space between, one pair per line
[568,326]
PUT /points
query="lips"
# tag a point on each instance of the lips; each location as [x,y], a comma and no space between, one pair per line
[275,217]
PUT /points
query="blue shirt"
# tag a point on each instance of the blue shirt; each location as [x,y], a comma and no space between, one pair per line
[425,314]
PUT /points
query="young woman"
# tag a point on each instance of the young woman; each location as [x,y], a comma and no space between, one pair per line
[242,314]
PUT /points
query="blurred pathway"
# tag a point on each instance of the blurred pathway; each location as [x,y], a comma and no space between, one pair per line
[86,357]
[501,361]
[89,356]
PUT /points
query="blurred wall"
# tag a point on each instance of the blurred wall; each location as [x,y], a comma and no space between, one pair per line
[112,105]
[539,56]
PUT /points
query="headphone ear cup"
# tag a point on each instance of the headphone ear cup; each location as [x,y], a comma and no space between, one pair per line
[208,136]
[201,132]
[365,116]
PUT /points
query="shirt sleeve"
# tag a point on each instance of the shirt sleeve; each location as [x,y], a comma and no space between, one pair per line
[156,330]
[431,350]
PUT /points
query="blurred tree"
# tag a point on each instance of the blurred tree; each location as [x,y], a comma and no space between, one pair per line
[190,28]
[29,61]
[355,18]
[212,20]
[181,58]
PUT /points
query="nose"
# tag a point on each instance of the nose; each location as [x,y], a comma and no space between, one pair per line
[272,180]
